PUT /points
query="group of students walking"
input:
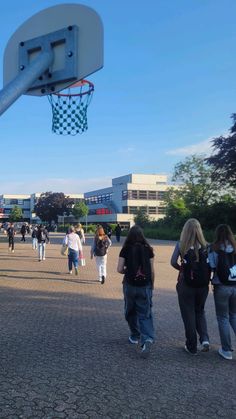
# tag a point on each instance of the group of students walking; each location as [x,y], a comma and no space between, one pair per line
[198,264]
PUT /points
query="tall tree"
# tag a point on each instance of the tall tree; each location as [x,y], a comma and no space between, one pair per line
[223,161]
[195,176]
[52,204]
[16,214]
[79,210]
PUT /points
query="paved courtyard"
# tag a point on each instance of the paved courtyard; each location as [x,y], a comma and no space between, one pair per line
[64,351]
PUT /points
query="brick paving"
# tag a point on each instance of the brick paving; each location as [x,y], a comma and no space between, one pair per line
[64,351]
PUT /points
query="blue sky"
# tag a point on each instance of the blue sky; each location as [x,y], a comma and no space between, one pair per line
[167,87]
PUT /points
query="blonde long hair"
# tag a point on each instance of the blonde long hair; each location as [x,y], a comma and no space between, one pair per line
[191,236]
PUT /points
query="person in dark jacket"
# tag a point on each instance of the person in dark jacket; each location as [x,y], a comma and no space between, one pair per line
[118,232]
[23,232]
[43,239]
[11,235]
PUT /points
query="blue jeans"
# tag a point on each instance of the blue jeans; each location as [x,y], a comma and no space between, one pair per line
[138,312]
[191,303]
[225,305]
[41,250]
[73,259]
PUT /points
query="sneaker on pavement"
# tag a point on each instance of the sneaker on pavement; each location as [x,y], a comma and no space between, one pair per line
[205,346]
[190,352]
[133,340]
[225,354]
[70,272]
[103,279]
[76,271]
[146,348]
[13,251]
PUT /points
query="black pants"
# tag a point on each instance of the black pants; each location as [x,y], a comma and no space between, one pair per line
[22,238]
[191,303]
[11,242]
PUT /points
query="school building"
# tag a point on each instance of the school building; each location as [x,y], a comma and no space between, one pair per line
[117,203]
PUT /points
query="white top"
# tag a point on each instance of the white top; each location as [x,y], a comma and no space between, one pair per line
[72,240]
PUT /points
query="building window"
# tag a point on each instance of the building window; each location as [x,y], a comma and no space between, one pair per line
[161,210]
[133,210]
[125,210]
[103,211]
[152,210]
[152,195]
[142,194]
[161,195]
[124,195]
[13,201]
[134,194]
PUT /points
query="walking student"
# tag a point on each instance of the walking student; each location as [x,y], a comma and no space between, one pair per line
[190,258]
[73,242]
[11,238]
[118,232]
[136,263]
[34,238]
[23,232]
[99,249]
[80,231]
[43,239]
[222,258]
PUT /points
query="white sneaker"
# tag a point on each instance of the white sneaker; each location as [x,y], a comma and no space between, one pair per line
[146,348]
[132,340]
[205,346]
[70,272]
[225,354]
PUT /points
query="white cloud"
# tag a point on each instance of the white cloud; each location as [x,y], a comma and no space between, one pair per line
[66,185]
[204,147]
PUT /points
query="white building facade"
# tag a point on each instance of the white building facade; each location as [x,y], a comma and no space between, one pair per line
[117,203]
[127,195]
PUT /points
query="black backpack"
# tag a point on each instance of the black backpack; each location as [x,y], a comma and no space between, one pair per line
[225,263]
[138,266]
[196,273]
[10,232]
[100,247]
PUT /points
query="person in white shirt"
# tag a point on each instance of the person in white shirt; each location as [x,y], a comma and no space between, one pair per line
[73,242]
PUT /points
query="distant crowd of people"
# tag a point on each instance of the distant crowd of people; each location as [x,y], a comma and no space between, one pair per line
[198,263]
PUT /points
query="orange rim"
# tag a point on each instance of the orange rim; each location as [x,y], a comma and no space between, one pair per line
[79,83]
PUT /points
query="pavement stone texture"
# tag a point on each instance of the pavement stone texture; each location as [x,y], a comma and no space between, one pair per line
[64,350]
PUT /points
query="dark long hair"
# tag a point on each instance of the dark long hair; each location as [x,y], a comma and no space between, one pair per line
[223,236]
[138,247]
[135,235]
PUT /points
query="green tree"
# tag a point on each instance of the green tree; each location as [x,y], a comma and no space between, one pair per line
[16,214]
[197,187]
[80,210]
[141,218]
[52,204]
[223,161]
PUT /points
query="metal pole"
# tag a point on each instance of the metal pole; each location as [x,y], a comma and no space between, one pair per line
[18,86]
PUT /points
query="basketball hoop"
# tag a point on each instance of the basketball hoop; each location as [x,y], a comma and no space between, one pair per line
[69,110]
